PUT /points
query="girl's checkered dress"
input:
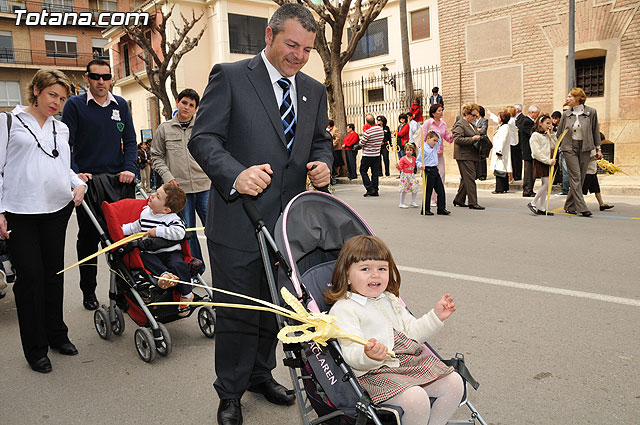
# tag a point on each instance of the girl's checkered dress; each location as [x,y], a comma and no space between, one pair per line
[418,366]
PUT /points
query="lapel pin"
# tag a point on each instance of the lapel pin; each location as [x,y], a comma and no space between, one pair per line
[304,98]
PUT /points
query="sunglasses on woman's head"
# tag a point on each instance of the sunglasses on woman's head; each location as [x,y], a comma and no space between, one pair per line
[96,77]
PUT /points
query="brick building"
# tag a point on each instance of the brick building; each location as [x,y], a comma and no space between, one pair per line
[502,52]
[26,49]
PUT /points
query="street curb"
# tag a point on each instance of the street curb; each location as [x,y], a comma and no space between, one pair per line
[452,182]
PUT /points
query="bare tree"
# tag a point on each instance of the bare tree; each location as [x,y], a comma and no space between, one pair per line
[406,59]
[358,14]
[161,62]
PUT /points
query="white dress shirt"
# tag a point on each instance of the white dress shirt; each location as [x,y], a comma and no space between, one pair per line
[274,76]
[110,98]
[32,182]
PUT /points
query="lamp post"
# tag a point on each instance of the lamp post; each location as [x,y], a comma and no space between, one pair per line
[571,74]
[391,81]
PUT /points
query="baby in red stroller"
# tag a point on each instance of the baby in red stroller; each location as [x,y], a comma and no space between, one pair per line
[160,219]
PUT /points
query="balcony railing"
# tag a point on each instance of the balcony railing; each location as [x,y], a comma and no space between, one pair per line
[8,6]
[128,67]
[43,57]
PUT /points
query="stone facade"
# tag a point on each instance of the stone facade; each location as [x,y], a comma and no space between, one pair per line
[515,51]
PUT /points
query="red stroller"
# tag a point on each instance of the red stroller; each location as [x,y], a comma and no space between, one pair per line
[132,287]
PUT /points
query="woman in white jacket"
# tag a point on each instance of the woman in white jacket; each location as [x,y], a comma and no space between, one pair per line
[501,154]
[543,142]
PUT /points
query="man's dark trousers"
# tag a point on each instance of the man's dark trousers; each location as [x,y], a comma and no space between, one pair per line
[373,163]
[516,162]
[528,180]
[87,244]
[236,367]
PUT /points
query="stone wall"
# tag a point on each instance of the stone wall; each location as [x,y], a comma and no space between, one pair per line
[515,51]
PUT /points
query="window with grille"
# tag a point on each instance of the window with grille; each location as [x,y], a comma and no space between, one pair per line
[97,48]
[6,47]
[375,95]
[9,93]
[590,76]
[420,24]
[60,6]
[374,42]
[246,34]
[61,46]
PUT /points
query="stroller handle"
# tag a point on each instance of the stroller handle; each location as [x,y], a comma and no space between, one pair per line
[252,212]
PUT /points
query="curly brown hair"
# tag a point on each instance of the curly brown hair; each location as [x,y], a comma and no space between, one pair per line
[356,249]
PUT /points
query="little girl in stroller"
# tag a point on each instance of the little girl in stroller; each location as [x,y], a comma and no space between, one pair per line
[365,292]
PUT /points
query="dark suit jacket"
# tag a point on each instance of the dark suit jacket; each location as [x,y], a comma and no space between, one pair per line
[519,119]
[524,134]
[238,125]
[463,133]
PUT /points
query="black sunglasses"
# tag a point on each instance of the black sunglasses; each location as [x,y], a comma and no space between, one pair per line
[96,77]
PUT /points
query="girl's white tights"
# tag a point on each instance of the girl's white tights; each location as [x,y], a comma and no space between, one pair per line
[417,408]
[541,195]
[404,194]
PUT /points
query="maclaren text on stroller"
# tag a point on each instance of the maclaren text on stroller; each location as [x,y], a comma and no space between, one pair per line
[308,237]
[132,287]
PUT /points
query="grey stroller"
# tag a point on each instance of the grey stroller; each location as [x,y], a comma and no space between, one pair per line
[308,237]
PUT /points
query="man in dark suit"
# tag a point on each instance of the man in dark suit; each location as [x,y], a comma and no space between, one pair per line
[516,151]
[524,134]
[260,131]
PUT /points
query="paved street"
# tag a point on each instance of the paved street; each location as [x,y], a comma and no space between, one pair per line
[548,313]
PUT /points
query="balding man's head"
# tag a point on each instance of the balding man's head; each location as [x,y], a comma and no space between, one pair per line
[370,119]
[533,111]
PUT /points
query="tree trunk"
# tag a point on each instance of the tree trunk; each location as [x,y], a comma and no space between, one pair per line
[335,96]
[406,60]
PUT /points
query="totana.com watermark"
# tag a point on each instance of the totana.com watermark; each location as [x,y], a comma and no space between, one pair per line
[54,19]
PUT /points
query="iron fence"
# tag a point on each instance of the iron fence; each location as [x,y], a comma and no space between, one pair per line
[387,95]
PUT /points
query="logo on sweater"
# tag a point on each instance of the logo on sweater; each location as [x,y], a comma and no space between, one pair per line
[115,115]
[120,126]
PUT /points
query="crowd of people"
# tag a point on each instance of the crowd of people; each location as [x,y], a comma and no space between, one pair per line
[519,153]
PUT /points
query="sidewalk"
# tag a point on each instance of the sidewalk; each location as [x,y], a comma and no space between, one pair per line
[616,184]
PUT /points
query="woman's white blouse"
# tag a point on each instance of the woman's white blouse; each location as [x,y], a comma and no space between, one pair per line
[32,182]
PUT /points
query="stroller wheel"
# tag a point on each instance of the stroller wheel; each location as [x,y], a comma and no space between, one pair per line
[145,345]
[118,326]
[207,321]
[164,347]
[102,324]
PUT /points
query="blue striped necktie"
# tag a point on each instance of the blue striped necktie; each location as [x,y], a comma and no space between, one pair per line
[287,114]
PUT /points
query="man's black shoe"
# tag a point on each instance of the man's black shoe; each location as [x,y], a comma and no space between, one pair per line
[229,412]
[586,213]
[427,212]
[459,204]
[529,195]
[572,212]
[273,392]
[374,194]
[443,211]
[90,302]
[476,207]
[42,365]
[68,349]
